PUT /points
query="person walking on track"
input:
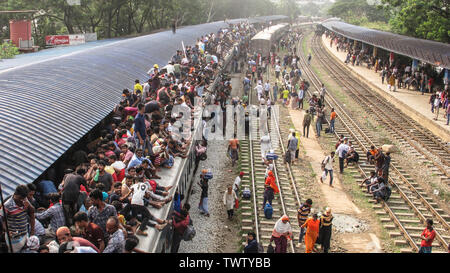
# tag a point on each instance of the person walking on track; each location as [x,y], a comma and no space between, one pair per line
[203,205]
[292,146]
[325,230]
[333,116]
[233,148]
[312,232]
[271,188]
[281,233]
[341,150]
[427,237]
[302,216]
[229,200]
[327,167]
[306,123]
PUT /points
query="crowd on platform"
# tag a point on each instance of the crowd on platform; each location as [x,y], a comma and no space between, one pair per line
[399,74]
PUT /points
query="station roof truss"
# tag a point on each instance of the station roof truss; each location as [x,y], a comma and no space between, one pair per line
[435,53]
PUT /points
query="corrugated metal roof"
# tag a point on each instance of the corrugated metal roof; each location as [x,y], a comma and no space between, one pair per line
[47,107]
[267,32]
[425,50]
[263,19]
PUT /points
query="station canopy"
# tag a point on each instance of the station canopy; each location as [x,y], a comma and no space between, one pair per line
[435,53]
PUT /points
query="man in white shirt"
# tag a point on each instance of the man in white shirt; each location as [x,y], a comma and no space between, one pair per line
[170,68]
[237,183]
[259,89]
[277,70]
[341,150]
[327,164]
[140,191]
[146,95]
[267,88]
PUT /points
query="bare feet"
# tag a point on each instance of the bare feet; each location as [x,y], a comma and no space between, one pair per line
[160,227]
[140,232]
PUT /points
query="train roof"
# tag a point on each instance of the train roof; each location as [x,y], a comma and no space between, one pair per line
[267,32]
[47,106]
[432,52]
[263,19]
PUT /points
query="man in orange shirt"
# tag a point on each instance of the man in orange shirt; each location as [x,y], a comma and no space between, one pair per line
[332,120]
[427,237]
[233,148]
[371,154]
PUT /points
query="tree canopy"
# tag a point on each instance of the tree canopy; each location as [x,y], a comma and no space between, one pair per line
[115,18]
[427,19]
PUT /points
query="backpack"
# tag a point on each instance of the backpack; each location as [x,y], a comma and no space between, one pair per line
[189,233]
[268,211]
[287,157]
[208,175]
[388,193]
[260,248]
[246,193]
[203,157]
[271,156]
[270,249]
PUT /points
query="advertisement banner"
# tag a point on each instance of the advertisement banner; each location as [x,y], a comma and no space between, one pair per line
[77,39]
[57,40]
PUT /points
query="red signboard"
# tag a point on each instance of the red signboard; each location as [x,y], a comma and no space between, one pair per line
[57,40]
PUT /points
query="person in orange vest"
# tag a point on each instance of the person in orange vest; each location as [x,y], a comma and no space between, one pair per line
[271,188]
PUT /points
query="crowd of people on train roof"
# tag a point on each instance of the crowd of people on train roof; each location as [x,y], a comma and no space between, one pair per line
[101,204]
[399,73]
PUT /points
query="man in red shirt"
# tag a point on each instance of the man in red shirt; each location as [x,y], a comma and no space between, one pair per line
[89,231]
[427,237]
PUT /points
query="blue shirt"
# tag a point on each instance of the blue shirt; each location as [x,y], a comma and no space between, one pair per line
[139,126]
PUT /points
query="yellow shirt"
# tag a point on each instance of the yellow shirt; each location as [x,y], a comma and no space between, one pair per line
[138,86]
[285,94]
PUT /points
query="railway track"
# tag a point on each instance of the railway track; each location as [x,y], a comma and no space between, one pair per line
[406,130]
[286,202]
[409,207]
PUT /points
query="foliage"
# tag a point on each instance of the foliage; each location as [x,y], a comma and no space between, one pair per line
[314,9]
[357,11]
[8,50]
[115,18]
[427,19]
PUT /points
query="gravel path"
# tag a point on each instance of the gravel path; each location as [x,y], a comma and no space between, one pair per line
[216,233]
[210,228]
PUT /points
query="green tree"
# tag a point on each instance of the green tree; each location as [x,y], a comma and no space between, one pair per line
[427,19]
[356,11]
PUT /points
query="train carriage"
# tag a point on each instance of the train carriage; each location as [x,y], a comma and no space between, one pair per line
[262,42]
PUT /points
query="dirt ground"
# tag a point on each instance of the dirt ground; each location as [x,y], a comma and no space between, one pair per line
[336,197]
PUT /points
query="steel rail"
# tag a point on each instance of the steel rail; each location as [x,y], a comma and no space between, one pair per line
[312,76]
[350,83]
[402,177]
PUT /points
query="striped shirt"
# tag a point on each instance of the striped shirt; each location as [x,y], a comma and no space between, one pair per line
[56,215]
[303,213]
[17,216]
[325,221]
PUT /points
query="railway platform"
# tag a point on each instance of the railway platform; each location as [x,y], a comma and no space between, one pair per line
[412,103]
